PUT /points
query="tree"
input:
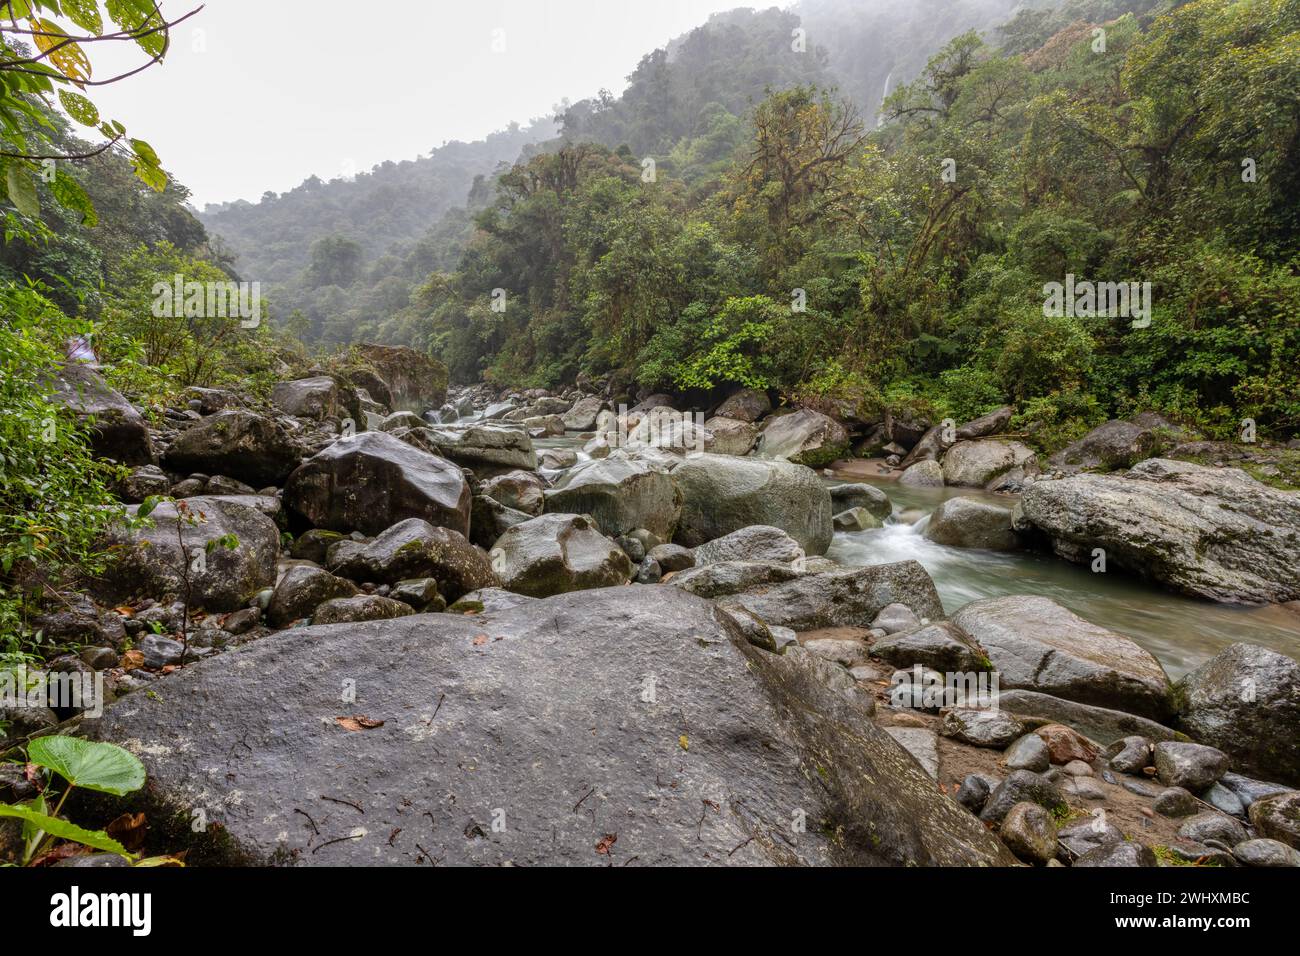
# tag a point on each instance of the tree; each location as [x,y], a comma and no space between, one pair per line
[62,31]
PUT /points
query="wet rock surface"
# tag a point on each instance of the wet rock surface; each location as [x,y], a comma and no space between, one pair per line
[733,730]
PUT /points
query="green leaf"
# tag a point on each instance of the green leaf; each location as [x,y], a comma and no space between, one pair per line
[137,15]
[89,764]
[22,191]
[148,167]
[69,194]
[79,108]
[85,14]
[97,839]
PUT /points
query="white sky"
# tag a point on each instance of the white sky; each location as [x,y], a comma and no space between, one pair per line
[272,91]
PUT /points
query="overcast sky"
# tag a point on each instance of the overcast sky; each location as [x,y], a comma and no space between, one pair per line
[260,94]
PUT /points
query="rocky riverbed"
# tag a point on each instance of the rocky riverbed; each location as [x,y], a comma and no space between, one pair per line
[493,627]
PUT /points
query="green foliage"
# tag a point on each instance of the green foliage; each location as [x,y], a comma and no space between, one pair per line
[28,78]
[52,492]
[91,765]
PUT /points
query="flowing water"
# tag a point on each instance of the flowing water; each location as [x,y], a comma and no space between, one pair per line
[1181,632]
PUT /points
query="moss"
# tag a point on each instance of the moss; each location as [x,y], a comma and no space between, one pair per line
[1168,857]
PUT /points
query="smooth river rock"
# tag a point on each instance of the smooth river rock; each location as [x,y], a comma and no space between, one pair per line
[631,726]
[1215,533]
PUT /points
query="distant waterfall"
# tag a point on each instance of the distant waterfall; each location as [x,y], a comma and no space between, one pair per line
[884,95]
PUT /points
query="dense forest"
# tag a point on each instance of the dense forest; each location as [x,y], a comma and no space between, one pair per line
[907,264]
[745,213]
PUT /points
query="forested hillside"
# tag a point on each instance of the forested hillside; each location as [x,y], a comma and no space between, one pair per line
[916,256]
[776,170]
[343,259]
[383,210]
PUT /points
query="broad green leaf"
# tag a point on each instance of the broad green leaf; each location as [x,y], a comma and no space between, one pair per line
[89,764]
[138,15]
[22,190]
[69,194]
[79,108]
[97,839]
[147,165]
[85,14]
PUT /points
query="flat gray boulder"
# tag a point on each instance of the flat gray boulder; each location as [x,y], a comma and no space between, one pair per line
[484,446]
[808,600]
[967,523]
[628,727]
[1036,644]
[757,543]
[1215,533]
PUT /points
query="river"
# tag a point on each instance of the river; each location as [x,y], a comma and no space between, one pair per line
[1181,632]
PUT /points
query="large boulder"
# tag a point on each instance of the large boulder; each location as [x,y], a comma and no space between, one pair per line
[416,549]
[967,523]
[973,464]
[991,423]
[241,444]
[415,381]
[301,589]
[1099,723]
[371,481]
[722,494]
[1215,533]
[923,474]
[875,501]
[809,600]
[1114,444]
[315,398]
[582,416]
[1038,645]
[757,543]
[118,430]
[746,405]
[804,437]
[729,436]
[1246,702]
[484,447]
[621,493]
[706,751]
[520,490]
[940,647]
[557,553]
[152,561]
